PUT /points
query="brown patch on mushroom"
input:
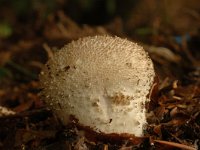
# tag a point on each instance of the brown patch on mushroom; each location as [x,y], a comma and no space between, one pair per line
[121,99]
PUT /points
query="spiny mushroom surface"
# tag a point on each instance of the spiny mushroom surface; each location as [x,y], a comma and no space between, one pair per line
[102,81]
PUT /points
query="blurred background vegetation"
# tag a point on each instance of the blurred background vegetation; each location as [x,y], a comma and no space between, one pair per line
[139,17]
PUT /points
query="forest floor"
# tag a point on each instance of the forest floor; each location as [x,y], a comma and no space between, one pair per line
[25,121]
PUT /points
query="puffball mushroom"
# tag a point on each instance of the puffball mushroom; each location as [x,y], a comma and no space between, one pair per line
[101,83]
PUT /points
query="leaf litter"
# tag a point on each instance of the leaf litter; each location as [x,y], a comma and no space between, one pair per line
[26,123]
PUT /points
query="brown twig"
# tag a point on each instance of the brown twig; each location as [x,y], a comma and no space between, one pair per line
[178,145]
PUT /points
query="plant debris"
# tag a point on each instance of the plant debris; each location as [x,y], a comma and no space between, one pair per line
[26,44]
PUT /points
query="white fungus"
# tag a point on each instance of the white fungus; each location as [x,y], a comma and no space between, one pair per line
[103,82]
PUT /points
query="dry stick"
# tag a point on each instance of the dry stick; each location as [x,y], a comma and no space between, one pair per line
[25,114]
[63,30]
[182,146]
[105,147]
[48,50]
[66,20]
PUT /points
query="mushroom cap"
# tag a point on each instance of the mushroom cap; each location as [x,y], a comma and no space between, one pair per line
[102,81]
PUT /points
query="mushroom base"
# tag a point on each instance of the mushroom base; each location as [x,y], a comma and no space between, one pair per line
[113,138]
